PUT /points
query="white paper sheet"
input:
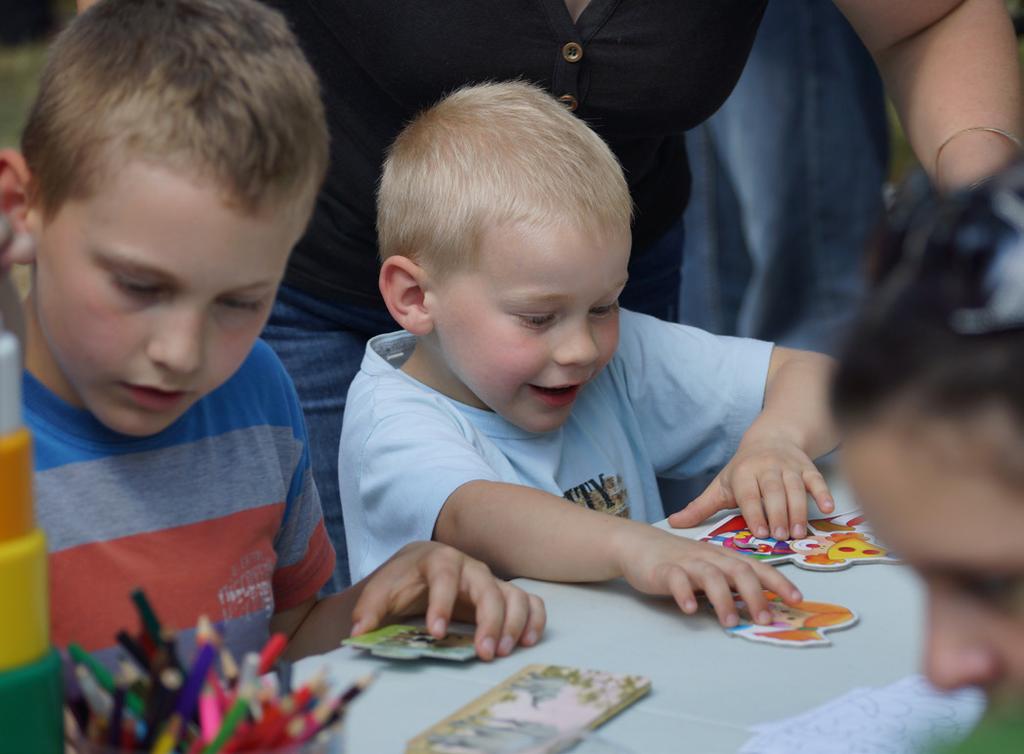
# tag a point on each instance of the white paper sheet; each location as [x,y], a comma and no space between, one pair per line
[905,717]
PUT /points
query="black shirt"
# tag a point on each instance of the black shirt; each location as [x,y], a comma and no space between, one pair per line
[639,72]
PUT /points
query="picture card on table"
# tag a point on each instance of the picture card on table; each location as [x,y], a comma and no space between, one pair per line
[536,711]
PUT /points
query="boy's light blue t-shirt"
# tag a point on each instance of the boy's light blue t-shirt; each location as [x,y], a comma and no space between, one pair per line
[674,401]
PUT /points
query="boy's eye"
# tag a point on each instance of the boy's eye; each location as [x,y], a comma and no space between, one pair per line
[137,288]
[603,311]
[243,304]
[536,320]
[1004,591]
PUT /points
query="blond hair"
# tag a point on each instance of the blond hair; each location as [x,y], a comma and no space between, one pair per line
[217,89]
[490,154]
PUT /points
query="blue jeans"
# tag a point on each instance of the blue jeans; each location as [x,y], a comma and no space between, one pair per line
[322,343]
[787,185]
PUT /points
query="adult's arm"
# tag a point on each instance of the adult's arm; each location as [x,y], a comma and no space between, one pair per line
[948,65]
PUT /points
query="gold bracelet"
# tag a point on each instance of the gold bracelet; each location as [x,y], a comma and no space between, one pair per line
[1009,136]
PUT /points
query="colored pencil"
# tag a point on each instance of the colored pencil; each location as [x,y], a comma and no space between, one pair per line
[116,730]
[103,676]
[152,704]
[134,650]
[149,620]
[271,651]
[231,721]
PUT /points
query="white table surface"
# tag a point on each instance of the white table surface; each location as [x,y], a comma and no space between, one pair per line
[707,686]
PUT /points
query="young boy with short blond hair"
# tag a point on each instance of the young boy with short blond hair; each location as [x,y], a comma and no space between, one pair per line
[519,406]
[170,162]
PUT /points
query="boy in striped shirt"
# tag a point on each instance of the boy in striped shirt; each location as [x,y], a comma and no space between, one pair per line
[169,164]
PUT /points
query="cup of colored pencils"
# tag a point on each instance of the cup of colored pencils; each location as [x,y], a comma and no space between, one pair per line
[211,704]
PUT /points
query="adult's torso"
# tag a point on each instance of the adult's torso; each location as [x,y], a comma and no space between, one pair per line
[642,72]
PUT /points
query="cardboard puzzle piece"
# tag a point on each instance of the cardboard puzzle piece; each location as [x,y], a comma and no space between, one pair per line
[831,544]
[413,643]
[802,625]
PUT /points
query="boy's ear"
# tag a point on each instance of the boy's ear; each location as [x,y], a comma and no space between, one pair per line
[15,180]
[404,284]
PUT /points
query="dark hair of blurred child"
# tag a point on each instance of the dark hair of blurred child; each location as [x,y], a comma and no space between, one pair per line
[930,395]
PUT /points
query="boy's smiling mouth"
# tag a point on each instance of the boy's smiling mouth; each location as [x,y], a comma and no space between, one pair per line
[556,397]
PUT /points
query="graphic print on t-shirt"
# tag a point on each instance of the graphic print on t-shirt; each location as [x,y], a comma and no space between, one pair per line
[249,590]
[607,494]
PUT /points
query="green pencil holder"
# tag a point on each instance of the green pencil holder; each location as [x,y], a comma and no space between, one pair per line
[31,707]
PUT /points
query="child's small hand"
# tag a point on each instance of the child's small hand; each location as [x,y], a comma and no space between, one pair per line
[656,562]
[439,581]
[768,480]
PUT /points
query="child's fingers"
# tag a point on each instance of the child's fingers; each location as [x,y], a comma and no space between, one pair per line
[748,498]
[537,622]
[815,483]
[482,588]
[705,504]
[370,608]
[796,496]
[712,581]
[525,618]
[443,575]
[747,583]
[681,589]
[773,493]
[771,578]
[757,603]
[517,611]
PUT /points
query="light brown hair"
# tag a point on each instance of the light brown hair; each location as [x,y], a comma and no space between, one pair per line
[490,154]
[219,90]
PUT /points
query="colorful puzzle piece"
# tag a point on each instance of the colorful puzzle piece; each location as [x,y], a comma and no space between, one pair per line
[802,625]
[831,544]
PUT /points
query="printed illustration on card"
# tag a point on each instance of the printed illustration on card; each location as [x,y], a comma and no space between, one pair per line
[539,709]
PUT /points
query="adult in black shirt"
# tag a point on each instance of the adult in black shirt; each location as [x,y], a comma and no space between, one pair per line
[640,72]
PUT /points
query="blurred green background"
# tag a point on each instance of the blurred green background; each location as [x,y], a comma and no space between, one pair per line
[19,68]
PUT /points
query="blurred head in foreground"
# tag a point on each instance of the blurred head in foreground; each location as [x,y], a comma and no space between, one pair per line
[930,394]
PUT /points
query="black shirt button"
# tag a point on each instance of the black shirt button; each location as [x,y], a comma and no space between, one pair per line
[569,101]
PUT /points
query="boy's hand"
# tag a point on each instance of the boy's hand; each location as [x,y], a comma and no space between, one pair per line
[656,562]
[442,582]
[768,480]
